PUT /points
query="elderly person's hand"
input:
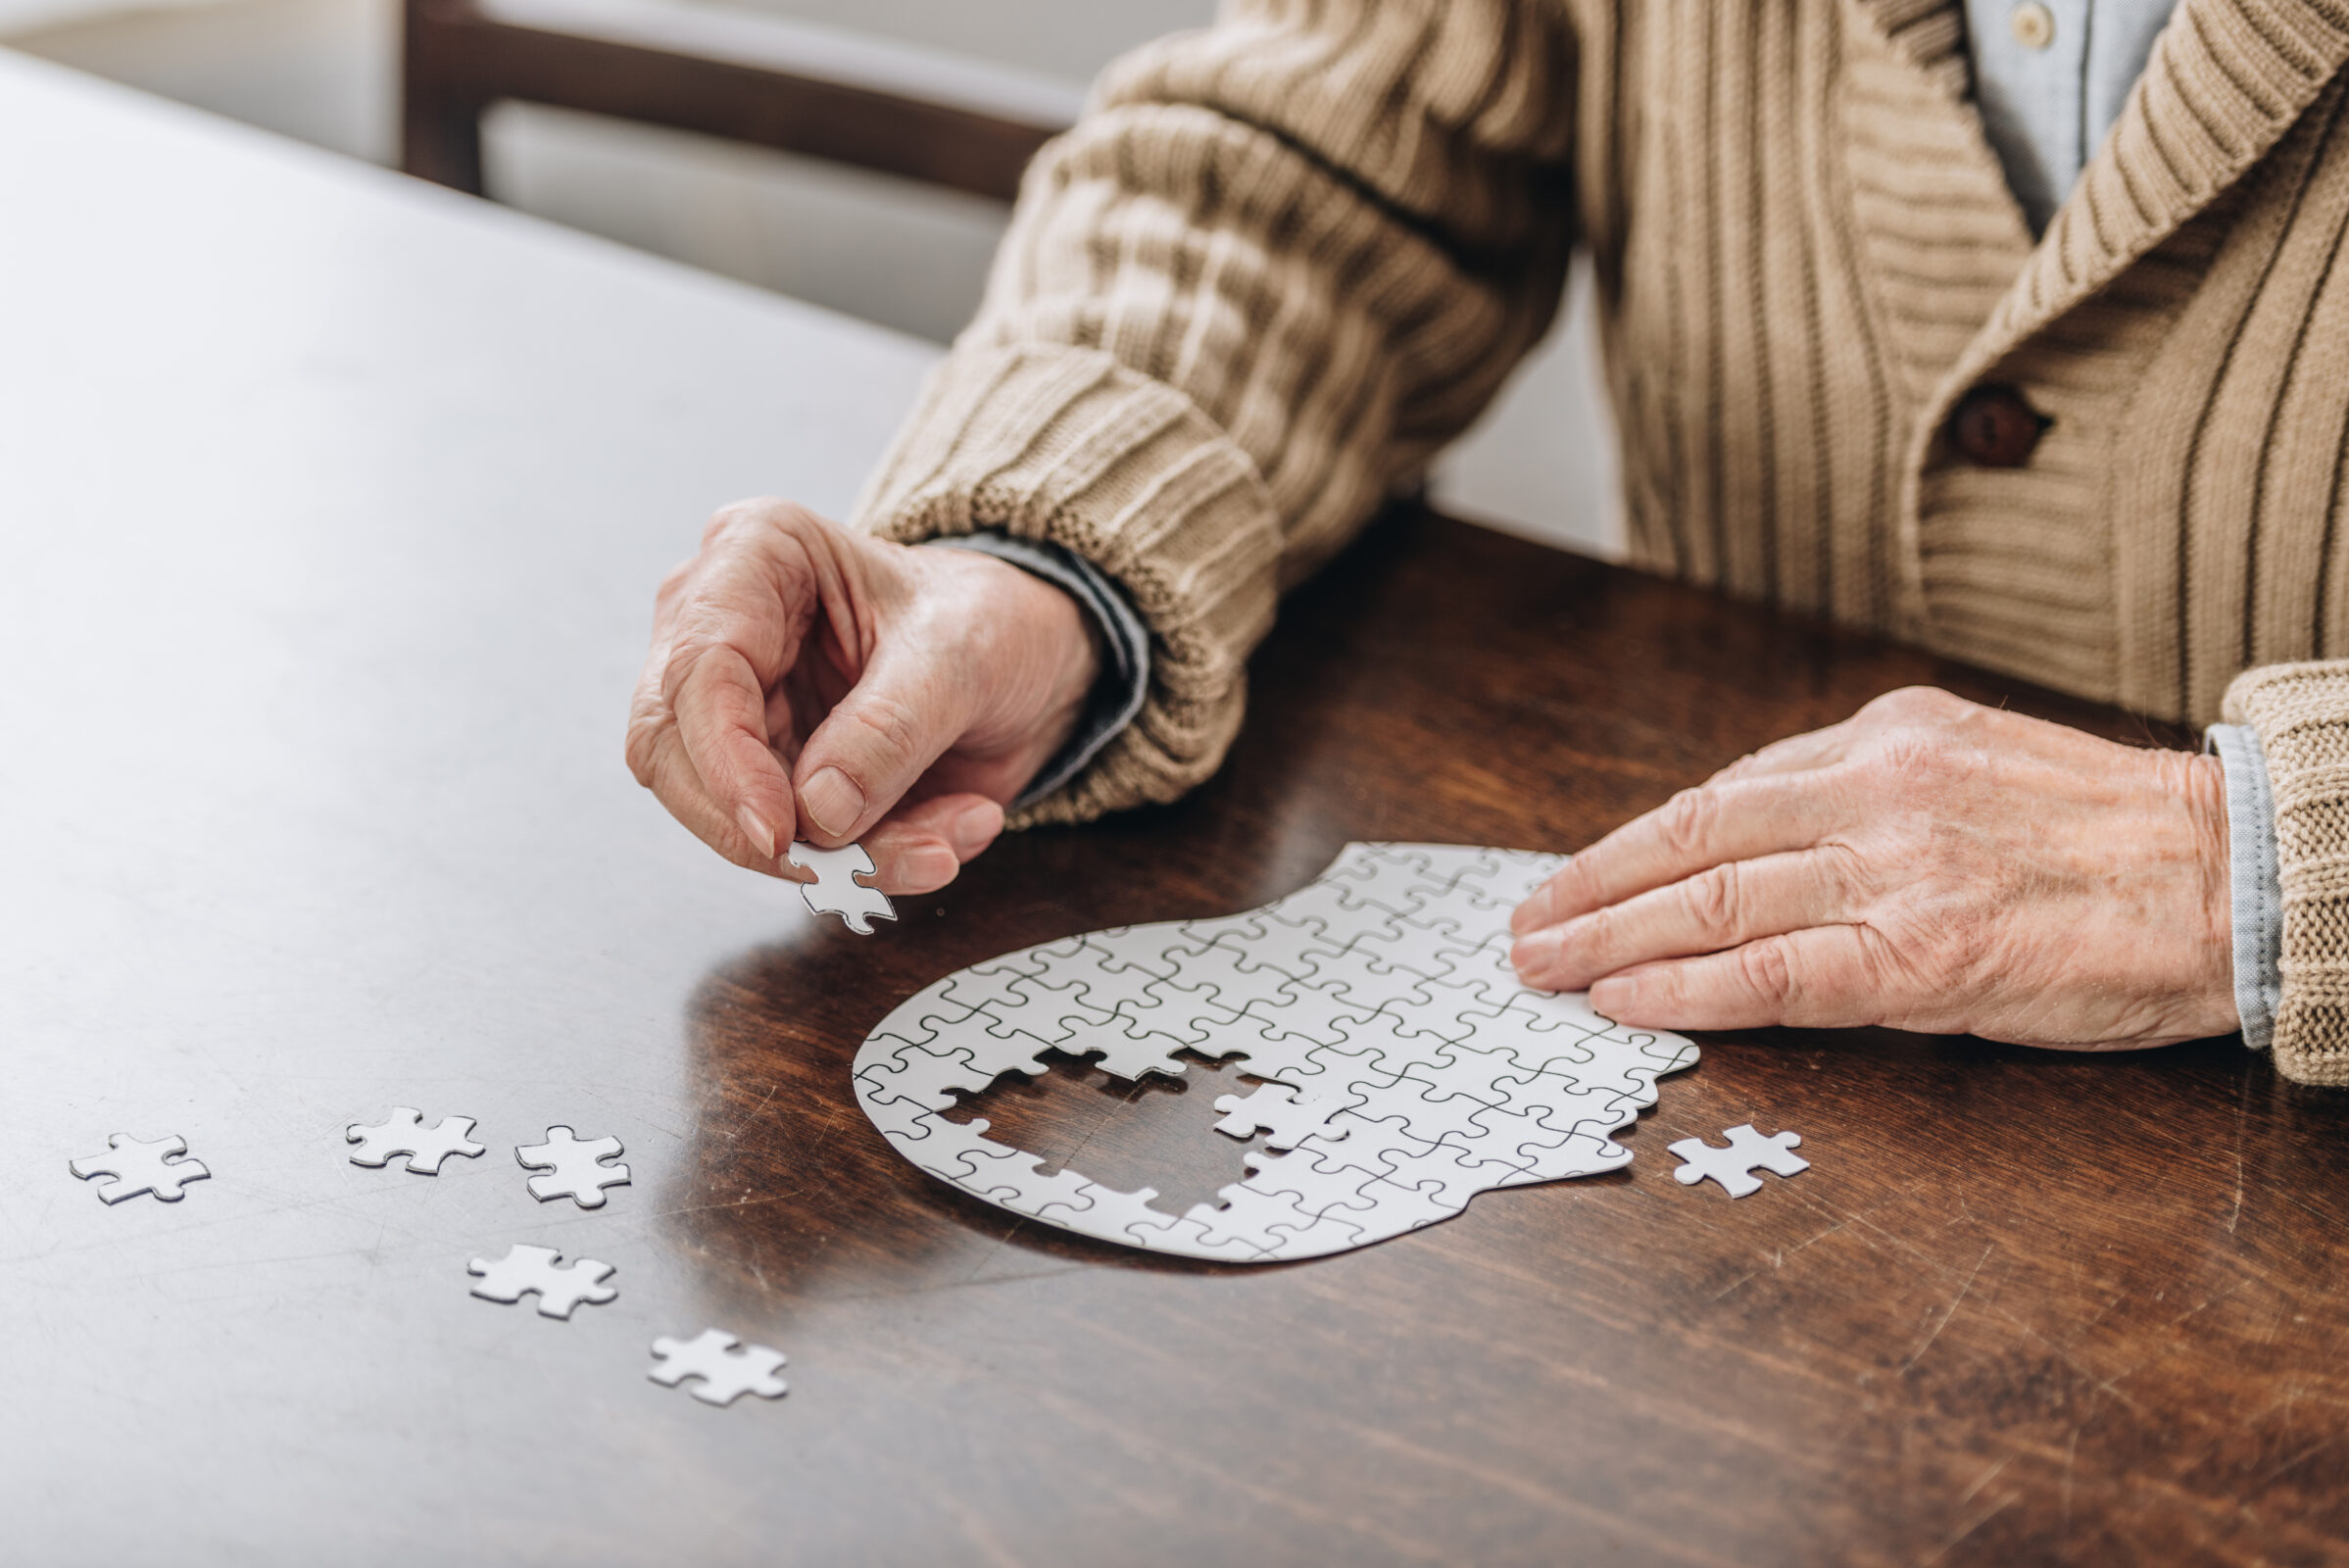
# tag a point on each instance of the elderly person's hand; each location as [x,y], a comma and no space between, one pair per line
[1926,864]
[808,682]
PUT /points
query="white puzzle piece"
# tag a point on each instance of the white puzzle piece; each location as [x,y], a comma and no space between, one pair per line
[1403,1067]
[1734,1167]
[725,1373]
[141,1165]
[836,890]
[404,1132]
[559,1287]
[573,1167]
[1286,1117]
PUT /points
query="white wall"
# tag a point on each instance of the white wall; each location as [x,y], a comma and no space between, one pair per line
[904,255]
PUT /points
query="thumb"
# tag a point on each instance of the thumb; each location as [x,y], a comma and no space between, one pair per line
[899,718]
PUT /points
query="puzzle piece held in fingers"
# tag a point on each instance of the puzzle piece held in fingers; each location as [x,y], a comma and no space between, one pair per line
[836,889]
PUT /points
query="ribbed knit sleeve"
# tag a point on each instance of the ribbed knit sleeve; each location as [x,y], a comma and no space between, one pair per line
[1279,264]
[2301,712]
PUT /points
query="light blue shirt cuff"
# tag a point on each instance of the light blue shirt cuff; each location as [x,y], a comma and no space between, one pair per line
[1125,678]
[2258,893]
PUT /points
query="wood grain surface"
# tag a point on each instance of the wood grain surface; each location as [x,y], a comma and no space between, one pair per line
[2025,1306]
[328,534]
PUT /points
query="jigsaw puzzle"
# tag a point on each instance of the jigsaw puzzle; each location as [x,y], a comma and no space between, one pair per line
[140,1165]
[1403,1068]
[561,1287]
[404,1132]
[836,890]
[726,1373]
[1734,1167]
[575,1167]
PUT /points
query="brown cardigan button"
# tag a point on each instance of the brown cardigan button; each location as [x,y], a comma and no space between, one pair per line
[1995,429]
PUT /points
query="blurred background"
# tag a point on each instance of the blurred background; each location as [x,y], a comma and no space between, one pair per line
[907,255]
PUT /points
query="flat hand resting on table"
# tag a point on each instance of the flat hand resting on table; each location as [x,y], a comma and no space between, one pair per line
[806,681]
[1926,864]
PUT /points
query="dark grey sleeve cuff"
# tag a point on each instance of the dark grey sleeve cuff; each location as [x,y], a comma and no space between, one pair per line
[2257,889]
[1125,678]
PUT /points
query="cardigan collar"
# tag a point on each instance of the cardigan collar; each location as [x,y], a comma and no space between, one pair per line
[2226,81]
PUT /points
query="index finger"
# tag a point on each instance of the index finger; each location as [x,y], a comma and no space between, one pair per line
[1738,819]
[721,720]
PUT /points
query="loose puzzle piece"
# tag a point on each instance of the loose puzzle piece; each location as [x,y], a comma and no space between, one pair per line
[1734,1167]
[575,1167]
[1403,1067]
[525,1269]
[404,1132]
[138,1165]
[726,1373]
[836,890]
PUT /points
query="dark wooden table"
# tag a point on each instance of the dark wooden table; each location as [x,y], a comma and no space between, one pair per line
[314,806]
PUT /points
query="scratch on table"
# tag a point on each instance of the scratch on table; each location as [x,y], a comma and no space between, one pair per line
[1950,1311]
[1966,1529]
[1984,1480]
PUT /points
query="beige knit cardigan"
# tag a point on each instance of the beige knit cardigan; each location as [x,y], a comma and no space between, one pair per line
[1283,260]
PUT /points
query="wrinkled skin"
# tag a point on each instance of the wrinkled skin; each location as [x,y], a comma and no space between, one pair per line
[1928,864]
[808,682]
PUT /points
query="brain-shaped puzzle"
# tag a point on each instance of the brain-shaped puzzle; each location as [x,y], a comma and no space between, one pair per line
[1404,1069]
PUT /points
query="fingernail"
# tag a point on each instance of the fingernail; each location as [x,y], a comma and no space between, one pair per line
[833,803]
[973,828]
[1616,993]
[755,828]
[928,867]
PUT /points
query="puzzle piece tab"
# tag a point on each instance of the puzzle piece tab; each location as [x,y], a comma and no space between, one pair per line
[575,1167]
[726,1373]
[560,1287]
[140,1165]
[836,889]
[1734,1167]
[404,1132]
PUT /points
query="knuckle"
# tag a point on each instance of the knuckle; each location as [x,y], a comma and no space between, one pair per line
[1913,704]
[1767,968]
[1712,899]
[1598,935]
[643,748]
[1575,886]
[1844,868]
[1686,821]
[1737,769]
[685,656]
[892,729]
[759,515]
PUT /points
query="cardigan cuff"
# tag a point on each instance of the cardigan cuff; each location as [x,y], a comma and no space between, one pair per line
[2300,714]
[2257,894]
[1067,447]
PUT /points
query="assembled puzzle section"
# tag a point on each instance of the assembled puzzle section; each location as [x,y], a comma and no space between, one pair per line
[1405,1069]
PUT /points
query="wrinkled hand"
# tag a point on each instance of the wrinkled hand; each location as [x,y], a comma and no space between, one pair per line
[1928,864]
[806,681]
